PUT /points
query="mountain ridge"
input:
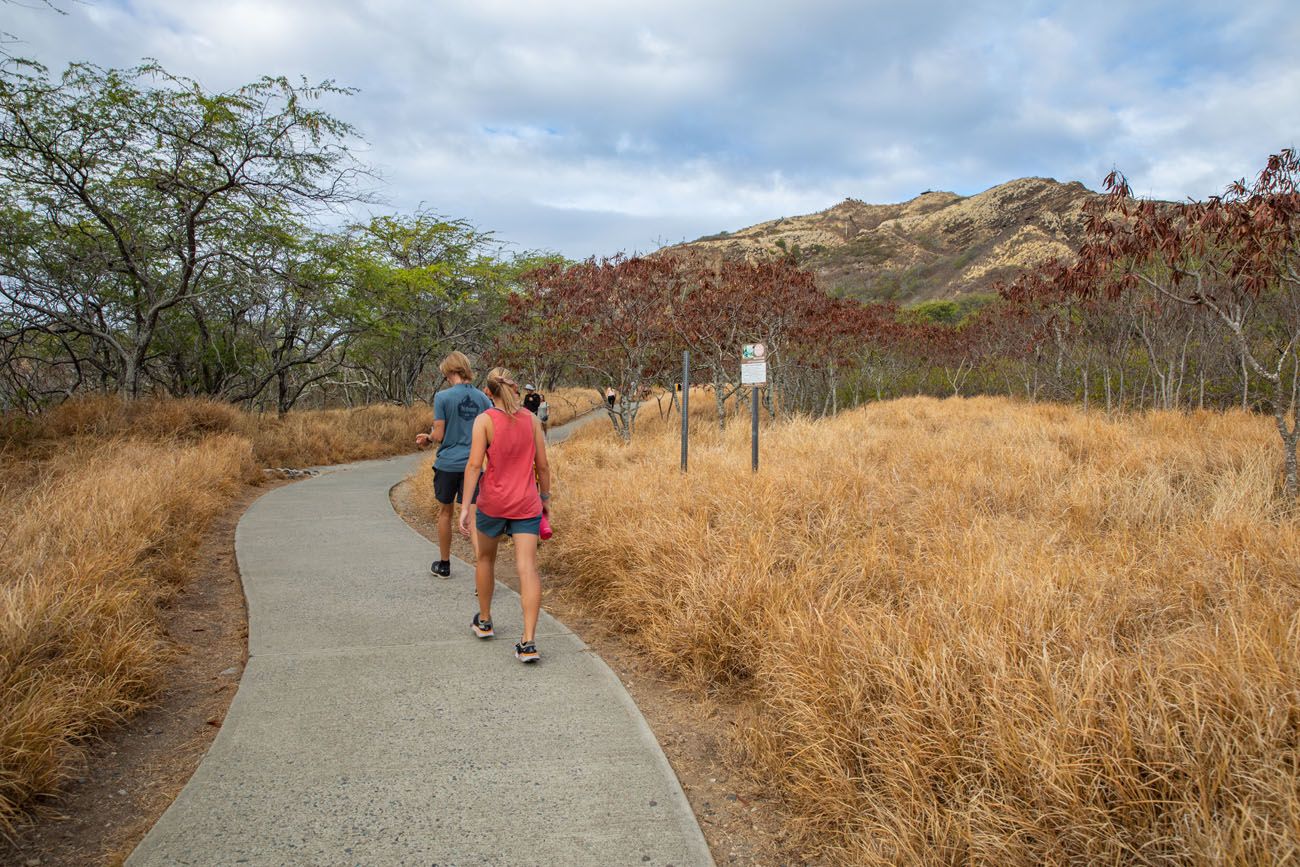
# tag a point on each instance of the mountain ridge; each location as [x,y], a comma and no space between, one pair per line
[935,245]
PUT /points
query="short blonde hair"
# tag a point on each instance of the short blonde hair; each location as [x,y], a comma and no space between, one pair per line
[458,364]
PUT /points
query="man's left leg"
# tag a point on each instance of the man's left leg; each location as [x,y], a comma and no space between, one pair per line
[445,486]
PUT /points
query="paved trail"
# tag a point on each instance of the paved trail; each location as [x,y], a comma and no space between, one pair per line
[371,727]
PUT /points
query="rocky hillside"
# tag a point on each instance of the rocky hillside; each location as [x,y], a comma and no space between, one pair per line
[938,245]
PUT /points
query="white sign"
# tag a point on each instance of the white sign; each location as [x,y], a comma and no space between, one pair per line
[753,352]
[753,372]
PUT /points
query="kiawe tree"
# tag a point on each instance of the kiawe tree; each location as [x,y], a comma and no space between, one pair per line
[425,285]
[124,192]
[298,319]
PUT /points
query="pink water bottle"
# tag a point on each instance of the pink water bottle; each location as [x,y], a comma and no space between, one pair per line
[545,530]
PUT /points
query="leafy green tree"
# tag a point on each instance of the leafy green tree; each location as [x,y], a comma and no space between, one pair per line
[942,312]
[289,321]
[125,191]
[424,285]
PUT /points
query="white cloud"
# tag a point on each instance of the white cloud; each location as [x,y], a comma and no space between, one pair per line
[591,127]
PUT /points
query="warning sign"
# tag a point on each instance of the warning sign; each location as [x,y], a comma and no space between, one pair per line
[753,364]
[753,373]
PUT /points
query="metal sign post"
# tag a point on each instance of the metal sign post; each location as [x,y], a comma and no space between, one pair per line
[686,402]
[753,371]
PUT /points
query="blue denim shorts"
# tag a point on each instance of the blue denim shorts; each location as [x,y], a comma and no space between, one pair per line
[490,526]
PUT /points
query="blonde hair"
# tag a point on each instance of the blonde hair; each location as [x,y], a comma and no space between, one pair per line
[501,385]
[458,364]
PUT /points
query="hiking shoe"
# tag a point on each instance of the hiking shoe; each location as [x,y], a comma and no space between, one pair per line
[482,628]
[526,651]
[441,568]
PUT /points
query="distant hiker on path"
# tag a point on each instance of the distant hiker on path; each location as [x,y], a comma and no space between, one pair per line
[511,499]
[454,412]
[610,394]
[536,403]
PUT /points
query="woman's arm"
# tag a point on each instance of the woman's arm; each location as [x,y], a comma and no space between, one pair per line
[479,440]
[542,463]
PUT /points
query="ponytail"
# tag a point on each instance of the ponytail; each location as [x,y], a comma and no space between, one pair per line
[502,387]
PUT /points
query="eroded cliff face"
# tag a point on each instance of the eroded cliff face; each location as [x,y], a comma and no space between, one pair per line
[937,245]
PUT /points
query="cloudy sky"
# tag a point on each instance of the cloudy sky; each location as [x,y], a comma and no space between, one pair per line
[595,127]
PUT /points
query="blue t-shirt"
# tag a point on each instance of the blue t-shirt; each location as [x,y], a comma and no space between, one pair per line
[457,406]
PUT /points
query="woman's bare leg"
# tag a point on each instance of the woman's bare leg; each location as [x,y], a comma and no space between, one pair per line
[485,573]
[530,582]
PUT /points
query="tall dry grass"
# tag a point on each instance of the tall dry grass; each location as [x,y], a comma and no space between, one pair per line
[102,504]
[972,631]
[568,403]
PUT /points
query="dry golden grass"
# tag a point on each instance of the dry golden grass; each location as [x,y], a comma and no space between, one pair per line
[569,403]
[335,436]
[101,506]
[973,631]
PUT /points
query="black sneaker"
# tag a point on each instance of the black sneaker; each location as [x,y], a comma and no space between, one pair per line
[482,628]
[526,651]
[441,568]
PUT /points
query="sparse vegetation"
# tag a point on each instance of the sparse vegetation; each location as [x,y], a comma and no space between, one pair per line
[972,631]
[716,236]
[869,249]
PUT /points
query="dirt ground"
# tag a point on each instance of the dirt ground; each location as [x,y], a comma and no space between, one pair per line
[133,773]
[742,825]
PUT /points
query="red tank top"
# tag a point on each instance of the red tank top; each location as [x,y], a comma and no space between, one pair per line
[509,488]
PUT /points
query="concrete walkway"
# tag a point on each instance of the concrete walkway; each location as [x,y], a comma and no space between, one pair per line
[372,727]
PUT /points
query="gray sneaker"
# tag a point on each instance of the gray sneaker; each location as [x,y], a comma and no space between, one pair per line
[526,651]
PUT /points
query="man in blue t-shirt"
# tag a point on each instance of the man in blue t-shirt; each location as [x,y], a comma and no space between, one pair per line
[454,411]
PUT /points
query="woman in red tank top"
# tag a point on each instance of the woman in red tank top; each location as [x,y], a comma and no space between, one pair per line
[511,500]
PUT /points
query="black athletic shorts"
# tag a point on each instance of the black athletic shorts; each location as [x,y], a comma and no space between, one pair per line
[447,485]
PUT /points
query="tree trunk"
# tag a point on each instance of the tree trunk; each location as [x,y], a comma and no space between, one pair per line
[720,397]
[1245,385]
[132,362]
[1290,435]
[282,401]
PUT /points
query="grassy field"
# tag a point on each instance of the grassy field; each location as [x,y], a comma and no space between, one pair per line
[971,631]
[101,507]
